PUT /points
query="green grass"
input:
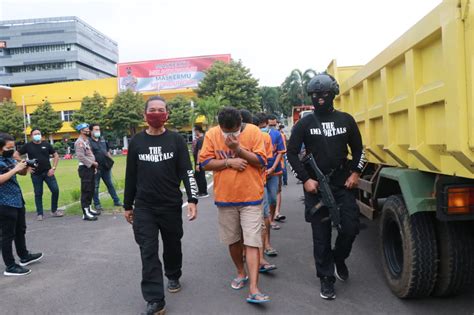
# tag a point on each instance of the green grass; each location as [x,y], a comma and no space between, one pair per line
[70,187]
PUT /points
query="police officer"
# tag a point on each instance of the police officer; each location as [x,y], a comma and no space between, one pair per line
[87,170]
[327,134]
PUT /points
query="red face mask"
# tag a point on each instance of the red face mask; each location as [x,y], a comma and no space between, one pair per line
[156,120]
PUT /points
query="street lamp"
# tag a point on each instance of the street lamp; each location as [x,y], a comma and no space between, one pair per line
[24,115]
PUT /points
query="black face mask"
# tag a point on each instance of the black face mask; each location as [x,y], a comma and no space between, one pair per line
[8,153]
[328,105]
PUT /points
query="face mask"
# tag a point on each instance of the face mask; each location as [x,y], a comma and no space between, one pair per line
[272,127]
[227,134]
[156,120]
[8,153]
[265,129]
[328,105]
[36,138]
[97,134]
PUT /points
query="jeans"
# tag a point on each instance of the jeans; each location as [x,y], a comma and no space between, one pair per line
[106,176]
[38,179]
[201,181]
[324,256]
[285,171]
[87,185]
[147,224]
[13,228]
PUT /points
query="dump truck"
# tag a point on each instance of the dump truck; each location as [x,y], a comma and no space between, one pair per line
[414,105]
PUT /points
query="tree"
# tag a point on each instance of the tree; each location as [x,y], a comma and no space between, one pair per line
[233,82]
[294,89]
[180,111]
[209,107]
[270,99]
[92,110]
[11,119]
[46,119]
[125,113]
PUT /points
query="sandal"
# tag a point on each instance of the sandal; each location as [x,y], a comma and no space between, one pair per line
[266,268]
[271,252]
[280,218]
[258,298]
[275,226]
[238,283]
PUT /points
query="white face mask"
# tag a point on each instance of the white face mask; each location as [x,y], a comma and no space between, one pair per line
[227,134]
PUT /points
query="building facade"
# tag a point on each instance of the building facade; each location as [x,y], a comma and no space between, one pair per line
[66,98]
[47,50]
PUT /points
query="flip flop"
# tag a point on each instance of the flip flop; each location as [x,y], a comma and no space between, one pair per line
[254,298]
[280,218]
[266,268]
[238,283]
[275,227]
[271,252]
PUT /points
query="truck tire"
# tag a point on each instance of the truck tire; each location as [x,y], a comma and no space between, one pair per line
[408,249]
[456,258]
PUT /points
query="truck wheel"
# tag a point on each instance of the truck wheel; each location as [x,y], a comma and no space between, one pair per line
[408,248]
[456,258]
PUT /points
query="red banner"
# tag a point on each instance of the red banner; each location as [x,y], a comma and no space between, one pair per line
[166,74]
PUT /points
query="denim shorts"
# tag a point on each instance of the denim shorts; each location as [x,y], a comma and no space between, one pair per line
[272,190]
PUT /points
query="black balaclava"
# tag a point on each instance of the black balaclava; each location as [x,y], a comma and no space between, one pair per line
[328,106]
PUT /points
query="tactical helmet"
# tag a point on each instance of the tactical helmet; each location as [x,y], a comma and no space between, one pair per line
[322,82]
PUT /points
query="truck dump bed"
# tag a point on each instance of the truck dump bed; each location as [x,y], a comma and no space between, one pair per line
[414,102]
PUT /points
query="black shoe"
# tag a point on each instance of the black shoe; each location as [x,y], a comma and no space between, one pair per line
[16,270]
[174,286]
[327,288]
[87,215]
[30,259]
[154,309]
[97,211]
[340,271]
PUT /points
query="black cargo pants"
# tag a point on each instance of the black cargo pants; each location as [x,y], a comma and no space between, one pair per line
[324,256]
[87,176]
[147,224]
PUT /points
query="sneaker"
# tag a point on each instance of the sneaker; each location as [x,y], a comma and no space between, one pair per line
[340,271]
[119,204]
[97,211]
[30,259]
[154,309]
[174,286]
[16,270]
[203,195]
[58,214]
[327,288]
[88,218]
[39,217]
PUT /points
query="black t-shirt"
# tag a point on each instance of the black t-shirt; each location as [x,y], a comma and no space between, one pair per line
[197,147]
[41,151]
[341,132]
[100,149]
[156,165]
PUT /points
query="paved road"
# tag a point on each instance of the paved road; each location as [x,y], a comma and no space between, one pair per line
[94,268]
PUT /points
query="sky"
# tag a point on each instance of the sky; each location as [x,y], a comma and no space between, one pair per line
[270,37]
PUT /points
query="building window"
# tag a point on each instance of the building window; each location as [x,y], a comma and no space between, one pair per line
[43,67]
[67,115]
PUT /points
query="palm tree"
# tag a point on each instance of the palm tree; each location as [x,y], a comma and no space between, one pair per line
[293,89]
[209,107]
[299,80]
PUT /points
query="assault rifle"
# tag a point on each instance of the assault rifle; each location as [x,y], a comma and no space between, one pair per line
[327,198]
